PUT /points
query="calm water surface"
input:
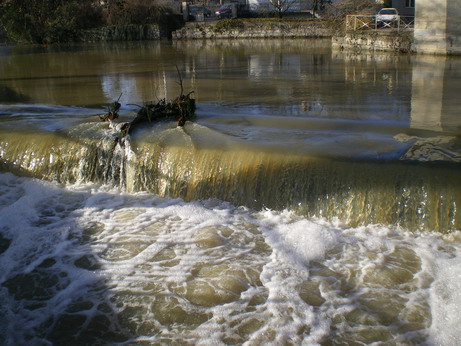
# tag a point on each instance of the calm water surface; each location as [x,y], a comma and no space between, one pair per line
[292,93]
[315,200]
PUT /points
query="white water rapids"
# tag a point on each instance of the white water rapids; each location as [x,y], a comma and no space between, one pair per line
[313,201]
[89,264]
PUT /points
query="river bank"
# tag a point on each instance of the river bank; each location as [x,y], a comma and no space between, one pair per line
[382,40]
[222,29]
[243,29]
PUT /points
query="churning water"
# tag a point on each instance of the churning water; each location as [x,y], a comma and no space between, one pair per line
[314,201]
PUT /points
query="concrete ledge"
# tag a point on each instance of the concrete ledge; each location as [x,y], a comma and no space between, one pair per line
[240,29]
[376,40]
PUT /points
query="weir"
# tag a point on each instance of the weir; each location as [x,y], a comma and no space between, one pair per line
[192,164]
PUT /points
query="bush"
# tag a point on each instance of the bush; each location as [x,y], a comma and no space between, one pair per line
[59,21]
[229,24]
[344,7]
[47,21]
[125,12]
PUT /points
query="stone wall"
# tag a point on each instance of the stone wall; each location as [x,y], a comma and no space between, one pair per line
[123,33]
[240,29]
[252,29]
[376,40]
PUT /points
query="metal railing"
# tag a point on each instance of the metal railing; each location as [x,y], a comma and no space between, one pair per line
[360,22]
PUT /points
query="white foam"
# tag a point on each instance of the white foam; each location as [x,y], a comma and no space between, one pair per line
[445,294]
[256,277]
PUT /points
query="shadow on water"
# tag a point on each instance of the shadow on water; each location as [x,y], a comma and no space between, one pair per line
[50,260]
[50,288]
[66,275]
[55,259]
[9,95]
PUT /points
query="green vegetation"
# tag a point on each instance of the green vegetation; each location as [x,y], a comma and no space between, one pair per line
[58,21]
[47,21]
[61,21]
[229,24]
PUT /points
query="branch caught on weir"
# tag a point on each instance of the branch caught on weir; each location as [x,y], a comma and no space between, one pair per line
[181,109]
[180,81]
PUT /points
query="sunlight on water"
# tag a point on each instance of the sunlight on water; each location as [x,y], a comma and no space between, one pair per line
[315,199]
[197,163]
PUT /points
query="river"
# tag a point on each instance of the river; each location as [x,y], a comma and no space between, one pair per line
[314,199]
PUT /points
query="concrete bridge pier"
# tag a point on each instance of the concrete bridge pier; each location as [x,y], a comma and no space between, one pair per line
[438,27]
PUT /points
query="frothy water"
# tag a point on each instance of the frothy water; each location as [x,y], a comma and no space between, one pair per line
[90,264]
[197,163]
[299,208]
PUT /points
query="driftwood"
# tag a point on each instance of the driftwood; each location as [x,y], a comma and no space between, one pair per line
[181,109]
[112,111]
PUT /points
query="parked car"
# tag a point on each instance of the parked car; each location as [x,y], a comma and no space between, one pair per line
[225,11]
[387,16]
[200,9]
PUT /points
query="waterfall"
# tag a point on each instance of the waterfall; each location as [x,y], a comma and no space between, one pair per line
[192,164]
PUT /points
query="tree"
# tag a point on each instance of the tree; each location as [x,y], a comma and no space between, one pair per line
[342,8]
[138,12]
[281,6]
[39,21]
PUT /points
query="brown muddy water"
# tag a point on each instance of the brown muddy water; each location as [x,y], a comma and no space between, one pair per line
[315,199]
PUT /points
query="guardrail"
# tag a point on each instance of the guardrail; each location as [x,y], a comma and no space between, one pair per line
[359,22]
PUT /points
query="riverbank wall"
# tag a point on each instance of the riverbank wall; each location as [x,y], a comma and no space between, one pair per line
[382,40]
[246,29]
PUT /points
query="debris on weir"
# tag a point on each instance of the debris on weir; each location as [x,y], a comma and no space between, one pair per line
[181,109]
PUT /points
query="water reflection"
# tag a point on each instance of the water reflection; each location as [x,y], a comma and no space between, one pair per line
[302,78]
[10,95]
[435,101]
[178,272]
